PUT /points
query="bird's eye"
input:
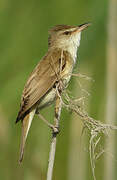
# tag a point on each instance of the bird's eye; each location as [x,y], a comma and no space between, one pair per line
[66,32]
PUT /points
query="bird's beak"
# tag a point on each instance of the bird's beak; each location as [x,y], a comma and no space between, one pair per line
[83,26]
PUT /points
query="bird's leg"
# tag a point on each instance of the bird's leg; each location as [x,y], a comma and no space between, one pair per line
[58,104]
[49,124]
[57,114]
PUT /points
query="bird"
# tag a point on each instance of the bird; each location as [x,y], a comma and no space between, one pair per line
[55,67]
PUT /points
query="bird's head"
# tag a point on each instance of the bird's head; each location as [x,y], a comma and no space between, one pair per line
[64,36]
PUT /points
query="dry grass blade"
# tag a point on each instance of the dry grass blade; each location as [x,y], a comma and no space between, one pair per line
[95,128]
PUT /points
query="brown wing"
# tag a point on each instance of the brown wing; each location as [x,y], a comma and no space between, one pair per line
[41,80]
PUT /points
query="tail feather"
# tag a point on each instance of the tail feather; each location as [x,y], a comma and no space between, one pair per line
[26,123]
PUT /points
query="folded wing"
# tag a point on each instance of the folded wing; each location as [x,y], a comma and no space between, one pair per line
[42,79]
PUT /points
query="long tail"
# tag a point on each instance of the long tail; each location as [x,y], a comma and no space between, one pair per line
[26,123]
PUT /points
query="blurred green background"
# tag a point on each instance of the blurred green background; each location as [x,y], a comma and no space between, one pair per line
[24,29]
